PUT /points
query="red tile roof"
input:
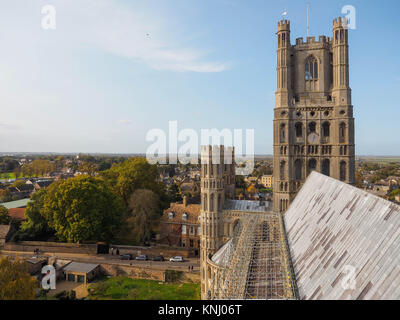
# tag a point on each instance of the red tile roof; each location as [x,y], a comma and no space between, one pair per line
[17,213]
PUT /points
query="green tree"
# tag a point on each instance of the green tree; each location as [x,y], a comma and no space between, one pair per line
[174,193]
[83,208]
[133,174]
[143,216]
[15,281]
[35,226]
[4,217]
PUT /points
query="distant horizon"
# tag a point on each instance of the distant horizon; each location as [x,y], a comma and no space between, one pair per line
[144,154]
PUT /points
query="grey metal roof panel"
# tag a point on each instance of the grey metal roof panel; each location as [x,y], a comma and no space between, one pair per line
[80,267]
[247,205]
[344,242]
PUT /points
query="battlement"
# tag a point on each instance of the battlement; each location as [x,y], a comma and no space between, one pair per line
[311,40]
[340,22]
[284,25]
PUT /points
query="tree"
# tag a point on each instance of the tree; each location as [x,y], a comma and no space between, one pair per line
[143,216]
[88,168]
[5,195]
[4,217]
[82,208]
[133,174]
[174,193]
[35,226]
[15,281]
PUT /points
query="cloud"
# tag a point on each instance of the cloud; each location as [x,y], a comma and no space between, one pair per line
[137,34]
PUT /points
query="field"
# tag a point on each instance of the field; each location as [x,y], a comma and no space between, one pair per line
[122,288]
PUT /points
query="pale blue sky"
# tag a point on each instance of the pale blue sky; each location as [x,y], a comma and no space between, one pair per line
[112,70]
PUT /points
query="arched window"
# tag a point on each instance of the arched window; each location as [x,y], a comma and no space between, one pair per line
[299,129]
[342,132]
[282,170]
[311,69]
[212,202]
[326,129]
[297,169]
[282,133]
[343,169]
[311,127]
[326,167]
[312,165]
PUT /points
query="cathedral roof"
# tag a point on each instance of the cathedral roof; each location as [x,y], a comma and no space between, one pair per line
[344,242]
[248,205]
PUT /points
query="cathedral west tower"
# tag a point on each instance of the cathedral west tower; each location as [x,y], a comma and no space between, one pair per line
[313,115]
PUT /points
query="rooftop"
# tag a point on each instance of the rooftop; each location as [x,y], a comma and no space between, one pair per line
[80,267]
[248,205]
[16,204]
[335,230]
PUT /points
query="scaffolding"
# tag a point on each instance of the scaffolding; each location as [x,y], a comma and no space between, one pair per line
[259,265]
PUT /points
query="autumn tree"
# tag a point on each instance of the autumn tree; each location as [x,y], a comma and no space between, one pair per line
[133,174]
[15,281]
[82,208]
[142,217]
[4,217]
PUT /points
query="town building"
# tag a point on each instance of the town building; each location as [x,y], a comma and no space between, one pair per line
[266,181]
[180,226]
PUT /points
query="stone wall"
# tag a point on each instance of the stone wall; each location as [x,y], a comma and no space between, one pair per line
[51,247]
[136,272]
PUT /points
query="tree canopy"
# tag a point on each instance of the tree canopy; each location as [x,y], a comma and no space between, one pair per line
[133,174]
[82,208]
[143,216]
[4,217]
[35,226]
[15,281]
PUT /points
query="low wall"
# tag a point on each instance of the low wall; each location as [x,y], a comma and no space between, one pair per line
[136,272]
[51,247]
[156,251]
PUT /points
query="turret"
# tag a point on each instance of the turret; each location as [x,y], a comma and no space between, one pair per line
[283,63]
[340,56]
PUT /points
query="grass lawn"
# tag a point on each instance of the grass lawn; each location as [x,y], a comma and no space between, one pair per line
[123,288]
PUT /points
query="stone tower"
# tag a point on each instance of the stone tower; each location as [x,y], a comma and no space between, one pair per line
[217,184]
[313,115]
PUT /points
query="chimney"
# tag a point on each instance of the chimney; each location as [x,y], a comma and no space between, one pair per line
[184,201]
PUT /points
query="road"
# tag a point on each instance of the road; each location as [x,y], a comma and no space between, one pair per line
[107,258]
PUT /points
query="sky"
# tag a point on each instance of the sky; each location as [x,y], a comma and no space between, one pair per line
[112,70]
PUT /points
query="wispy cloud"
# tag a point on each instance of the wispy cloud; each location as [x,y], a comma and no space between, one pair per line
[140,35]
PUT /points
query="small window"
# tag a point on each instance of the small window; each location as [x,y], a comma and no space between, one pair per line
[311,69]
[171,215]
[326,129]
[312,127]
[198,231]
[326,167]
[183,229]
[283,133]
[342,132]
[191,230]
[299,129]
[343,169]
[184,216]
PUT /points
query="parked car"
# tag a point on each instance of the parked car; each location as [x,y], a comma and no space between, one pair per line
[158,258]
[176,259]
[125,256]
[142,257]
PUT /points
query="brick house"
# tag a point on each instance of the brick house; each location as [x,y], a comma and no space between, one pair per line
[180,226]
